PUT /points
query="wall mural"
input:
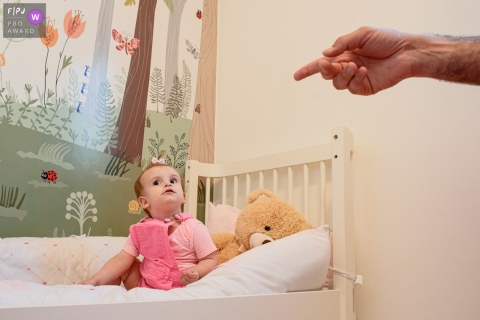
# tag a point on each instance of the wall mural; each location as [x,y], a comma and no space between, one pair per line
[85,108]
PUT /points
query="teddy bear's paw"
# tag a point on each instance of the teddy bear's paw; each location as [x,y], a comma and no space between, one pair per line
[222,239]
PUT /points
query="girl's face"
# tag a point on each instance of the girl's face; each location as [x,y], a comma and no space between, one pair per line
[162,193]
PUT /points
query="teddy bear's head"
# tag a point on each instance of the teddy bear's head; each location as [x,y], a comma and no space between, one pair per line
[266,218]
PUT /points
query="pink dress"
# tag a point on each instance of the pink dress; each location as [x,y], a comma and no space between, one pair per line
[166,256]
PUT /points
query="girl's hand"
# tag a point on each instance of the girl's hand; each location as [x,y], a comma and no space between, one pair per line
[189,276]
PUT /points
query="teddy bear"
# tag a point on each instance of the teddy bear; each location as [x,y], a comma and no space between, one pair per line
[265,218]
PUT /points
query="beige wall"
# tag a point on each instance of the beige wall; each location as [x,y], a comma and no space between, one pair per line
[417,146]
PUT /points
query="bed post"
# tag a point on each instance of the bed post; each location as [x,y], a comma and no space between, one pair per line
[343,228]
[191,187]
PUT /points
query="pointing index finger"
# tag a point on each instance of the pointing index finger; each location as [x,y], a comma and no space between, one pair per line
[328,69]
[307,70]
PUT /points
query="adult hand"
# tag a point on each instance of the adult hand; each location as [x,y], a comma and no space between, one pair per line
[365,61]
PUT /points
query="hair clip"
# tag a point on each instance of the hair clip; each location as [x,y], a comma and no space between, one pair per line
[155,160]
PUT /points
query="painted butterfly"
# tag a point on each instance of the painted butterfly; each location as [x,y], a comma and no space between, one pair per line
[128,44]
[195,53]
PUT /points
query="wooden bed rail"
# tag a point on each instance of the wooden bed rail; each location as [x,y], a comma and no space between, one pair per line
[249,167]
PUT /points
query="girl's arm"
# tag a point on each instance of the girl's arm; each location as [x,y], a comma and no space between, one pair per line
[203,267]
[112,270]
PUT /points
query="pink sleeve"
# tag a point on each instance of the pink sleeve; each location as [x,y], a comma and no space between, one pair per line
[130,248]
[202,241]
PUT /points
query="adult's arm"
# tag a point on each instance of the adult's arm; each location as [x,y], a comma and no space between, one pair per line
[370,60]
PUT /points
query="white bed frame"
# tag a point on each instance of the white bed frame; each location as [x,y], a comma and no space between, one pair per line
[332,199]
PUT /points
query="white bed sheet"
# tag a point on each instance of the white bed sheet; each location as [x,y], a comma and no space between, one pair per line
[295,263]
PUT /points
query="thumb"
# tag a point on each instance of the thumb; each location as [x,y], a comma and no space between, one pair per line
[348,42]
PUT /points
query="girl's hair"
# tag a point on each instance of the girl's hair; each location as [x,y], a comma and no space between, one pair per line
[138,185]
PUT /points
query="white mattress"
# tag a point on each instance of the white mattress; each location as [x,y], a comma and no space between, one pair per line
[295,263]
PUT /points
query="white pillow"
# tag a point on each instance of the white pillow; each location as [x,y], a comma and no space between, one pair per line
[52,261]
[295,263]
[222,218]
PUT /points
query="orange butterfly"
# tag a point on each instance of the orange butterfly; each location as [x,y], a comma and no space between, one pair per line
[129,45]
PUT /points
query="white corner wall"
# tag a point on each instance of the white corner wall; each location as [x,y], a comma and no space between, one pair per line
[417,145]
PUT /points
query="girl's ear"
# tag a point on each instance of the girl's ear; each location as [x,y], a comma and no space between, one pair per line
[143,202]
[184,198]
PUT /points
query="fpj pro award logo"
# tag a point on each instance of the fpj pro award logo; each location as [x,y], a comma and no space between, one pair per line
[22,20]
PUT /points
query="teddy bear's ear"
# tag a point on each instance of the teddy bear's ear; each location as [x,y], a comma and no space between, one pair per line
[259,194]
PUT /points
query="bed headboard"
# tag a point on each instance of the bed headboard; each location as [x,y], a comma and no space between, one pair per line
[316,180]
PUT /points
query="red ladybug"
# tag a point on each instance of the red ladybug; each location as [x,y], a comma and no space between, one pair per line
[49,176]
[199,14]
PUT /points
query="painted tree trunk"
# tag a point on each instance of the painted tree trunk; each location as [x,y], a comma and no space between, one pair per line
[171,59]
[202,133]
[99,65]
[131,121]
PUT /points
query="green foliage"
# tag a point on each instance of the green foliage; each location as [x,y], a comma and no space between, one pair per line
[49,99]
[104,116]
[175,101]
[179,153]
[5,120]
[6,103]
[73,97]
[73,94]
[155,148]
[41,111]
[157,89]
[117,165]
[180,95]
[169,4]
[66,61]
[54,151]
[8,198]
[26,104]
[65,121]
[187,89]
[85,137]
[45,115]
[60,102]
[94,143]
[72,135]
[11,92]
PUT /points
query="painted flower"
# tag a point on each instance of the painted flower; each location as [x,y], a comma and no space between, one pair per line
[73,24]
[51,33]
[2,59]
